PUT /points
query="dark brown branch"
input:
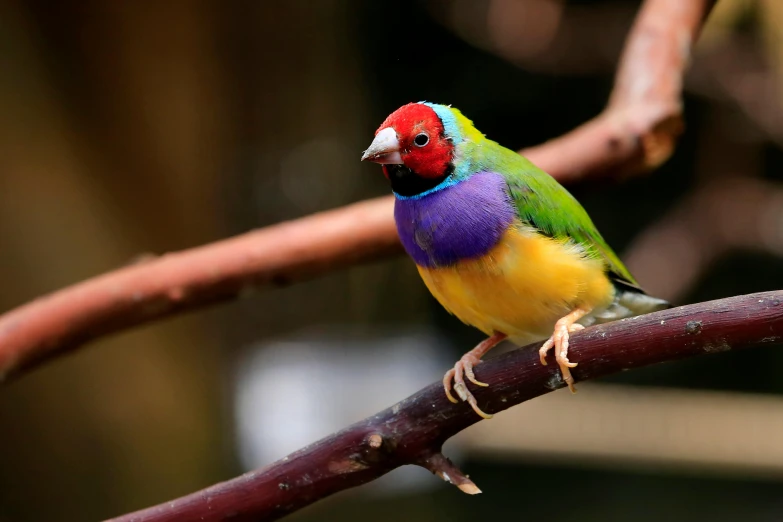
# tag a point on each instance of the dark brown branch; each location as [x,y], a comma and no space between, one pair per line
[413,431]
[638,130]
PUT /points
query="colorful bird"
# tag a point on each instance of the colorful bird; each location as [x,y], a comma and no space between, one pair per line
[497,241]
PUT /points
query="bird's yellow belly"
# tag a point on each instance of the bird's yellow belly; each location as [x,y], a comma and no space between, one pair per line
[522,286]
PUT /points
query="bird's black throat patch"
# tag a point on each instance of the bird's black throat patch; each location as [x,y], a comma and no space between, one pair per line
[407,183]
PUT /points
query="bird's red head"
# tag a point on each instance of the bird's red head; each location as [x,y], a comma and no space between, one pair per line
[413,136]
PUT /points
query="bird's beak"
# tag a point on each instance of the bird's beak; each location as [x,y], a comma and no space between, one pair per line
[384,149]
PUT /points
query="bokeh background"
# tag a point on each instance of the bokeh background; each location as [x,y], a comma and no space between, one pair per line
[130,129]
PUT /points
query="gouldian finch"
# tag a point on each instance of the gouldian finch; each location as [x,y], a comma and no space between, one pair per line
[498,241]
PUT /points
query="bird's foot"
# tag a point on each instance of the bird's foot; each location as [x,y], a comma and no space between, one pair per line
[559,341]
[464,368]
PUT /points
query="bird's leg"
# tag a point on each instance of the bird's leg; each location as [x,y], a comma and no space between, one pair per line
[465,366]
[559,341]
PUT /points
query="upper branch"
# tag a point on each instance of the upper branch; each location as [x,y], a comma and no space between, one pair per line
[638,130]
[236,267]
[639,127]
[413,430]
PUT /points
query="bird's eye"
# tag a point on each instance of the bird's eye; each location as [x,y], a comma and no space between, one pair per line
[421,140]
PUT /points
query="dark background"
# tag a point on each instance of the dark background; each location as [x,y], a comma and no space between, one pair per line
[131,128]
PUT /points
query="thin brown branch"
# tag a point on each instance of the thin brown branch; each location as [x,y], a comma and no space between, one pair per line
[638,130]
[413,431]
[641,124]
[274,256]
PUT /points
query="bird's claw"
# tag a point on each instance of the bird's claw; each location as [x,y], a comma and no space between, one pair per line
[462,391]
[559,341]
[447,386]
[464,368]
[548,344]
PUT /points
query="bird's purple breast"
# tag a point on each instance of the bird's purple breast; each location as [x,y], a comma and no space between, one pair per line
[462,221]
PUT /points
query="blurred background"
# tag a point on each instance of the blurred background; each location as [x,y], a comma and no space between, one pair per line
[137,128]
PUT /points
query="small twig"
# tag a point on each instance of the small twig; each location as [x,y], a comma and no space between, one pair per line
[638,130]
[414,430]
[441,466]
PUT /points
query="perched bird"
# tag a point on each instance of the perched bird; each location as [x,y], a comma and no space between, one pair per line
[498,242]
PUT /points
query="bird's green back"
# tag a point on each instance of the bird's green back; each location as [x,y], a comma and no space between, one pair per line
[540,200]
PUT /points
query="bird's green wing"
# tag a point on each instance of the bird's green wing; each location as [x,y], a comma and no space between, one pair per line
[540,200]
[546,205]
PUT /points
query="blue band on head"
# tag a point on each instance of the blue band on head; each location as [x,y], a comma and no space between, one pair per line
[452,131]
[450,127]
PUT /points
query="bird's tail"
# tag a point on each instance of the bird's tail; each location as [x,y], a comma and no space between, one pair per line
[629,302]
